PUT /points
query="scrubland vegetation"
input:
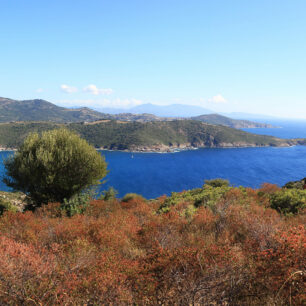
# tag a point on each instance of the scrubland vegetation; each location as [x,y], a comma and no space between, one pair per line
[216,245]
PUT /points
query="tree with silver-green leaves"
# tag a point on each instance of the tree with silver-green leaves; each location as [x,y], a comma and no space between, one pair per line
[54,166]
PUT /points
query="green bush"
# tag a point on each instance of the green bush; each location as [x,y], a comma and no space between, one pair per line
[130,196]
[54,166]
[288,201]
[296,184]
[77,204]
[217,182]
[207,196]
[109,194]
[6,206]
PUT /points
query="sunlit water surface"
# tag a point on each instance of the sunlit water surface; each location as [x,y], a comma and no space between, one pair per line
[153,174]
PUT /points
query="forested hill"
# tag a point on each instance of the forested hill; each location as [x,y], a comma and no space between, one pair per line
[215,119]
[147,136]
[234,123]
[40,110]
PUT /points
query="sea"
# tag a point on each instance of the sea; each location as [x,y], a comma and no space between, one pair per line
[156,174]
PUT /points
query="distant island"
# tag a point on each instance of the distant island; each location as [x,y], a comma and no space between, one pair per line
[155,136]
[233,123]
[130,132]
[40,110]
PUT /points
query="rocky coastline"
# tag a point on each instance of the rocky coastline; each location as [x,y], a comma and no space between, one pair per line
[162,148]
[7,149]
[185,147]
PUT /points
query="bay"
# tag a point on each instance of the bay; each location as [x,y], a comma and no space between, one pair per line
[153,174]
[286,129]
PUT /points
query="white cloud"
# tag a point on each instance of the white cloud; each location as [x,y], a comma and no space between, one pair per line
[121,103]
[93,89]
[68,89]
[218,99]
[39,90]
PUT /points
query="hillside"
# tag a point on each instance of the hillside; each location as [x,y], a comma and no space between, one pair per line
[215,119]
[148,136]
[40,110]
[144,117]
[234,123]
[213,245]
[172,110]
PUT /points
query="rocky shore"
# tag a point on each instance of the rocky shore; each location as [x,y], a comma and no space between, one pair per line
[184,147]
[162,148]
[17,199]
[7,149]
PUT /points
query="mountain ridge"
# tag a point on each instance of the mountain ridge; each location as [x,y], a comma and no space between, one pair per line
[172,110]
[41,110]
[226,121]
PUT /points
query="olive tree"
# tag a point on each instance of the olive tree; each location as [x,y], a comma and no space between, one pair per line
[54,166]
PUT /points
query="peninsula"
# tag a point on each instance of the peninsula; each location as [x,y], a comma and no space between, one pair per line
[155,136]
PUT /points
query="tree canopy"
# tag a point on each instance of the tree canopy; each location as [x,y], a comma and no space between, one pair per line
[54,166]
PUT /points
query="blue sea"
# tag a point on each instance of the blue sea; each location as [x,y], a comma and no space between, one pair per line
[154,174]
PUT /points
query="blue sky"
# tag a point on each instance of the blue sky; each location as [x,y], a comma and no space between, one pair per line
[245,56]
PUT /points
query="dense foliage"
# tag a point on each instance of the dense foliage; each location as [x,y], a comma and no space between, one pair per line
[301,184]
[111,134]
[216,245]
[6,205]
[289,200]
[54,166]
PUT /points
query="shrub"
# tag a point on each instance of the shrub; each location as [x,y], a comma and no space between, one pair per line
[206,196]
[6,206]
[217,182]
[77,204]
[131,196]
[288,201]
[109,194]
[54,166]
[296,184]
[232,250]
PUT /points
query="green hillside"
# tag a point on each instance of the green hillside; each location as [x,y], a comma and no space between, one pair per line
[40,110]
[234,123]
[147,136]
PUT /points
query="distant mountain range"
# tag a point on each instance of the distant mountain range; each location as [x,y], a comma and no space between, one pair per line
[173,110]
[233,123]
[191,111]
[41,110]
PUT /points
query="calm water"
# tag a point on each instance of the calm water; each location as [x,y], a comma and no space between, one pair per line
[153,174]
[288,129]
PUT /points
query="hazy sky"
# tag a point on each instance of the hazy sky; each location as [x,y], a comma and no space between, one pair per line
[247,56]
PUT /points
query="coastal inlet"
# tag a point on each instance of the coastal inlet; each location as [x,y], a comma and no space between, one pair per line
[154,174]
